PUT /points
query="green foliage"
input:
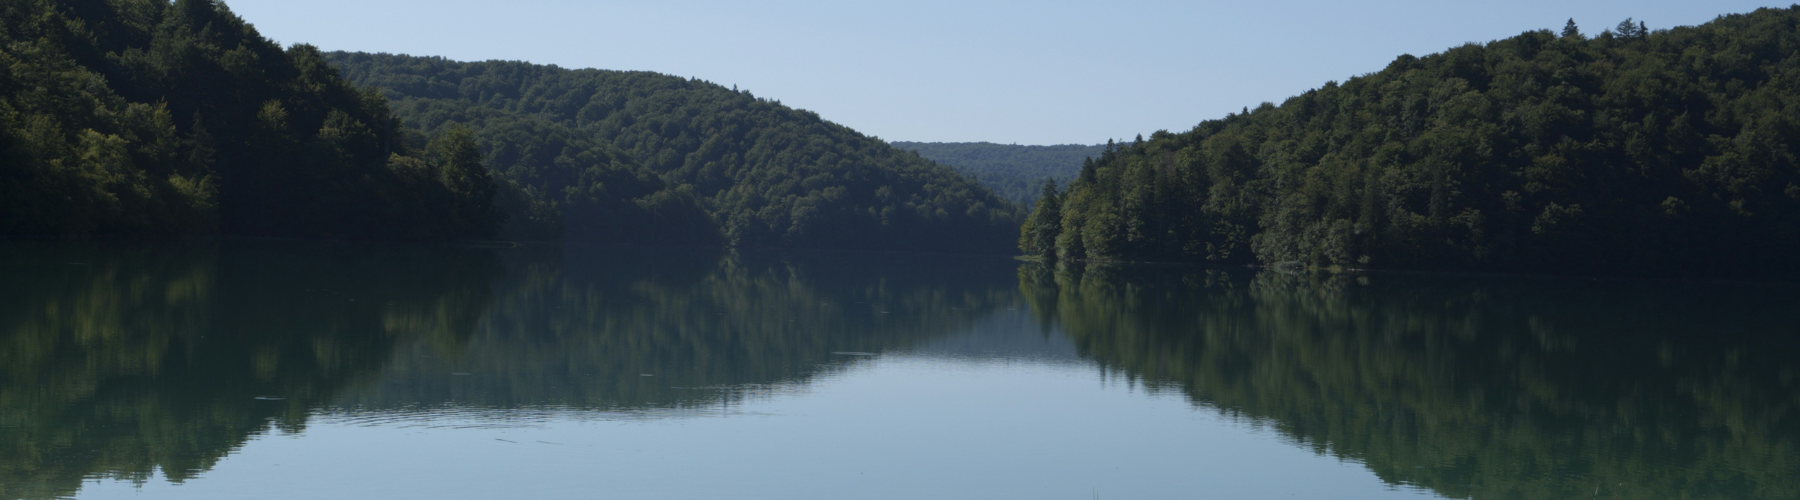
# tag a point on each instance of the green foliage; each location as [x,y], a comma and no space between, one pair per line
[1630,152]
[644,157]
[1013,171]
[460,169]
[1044,225]
[1473,387]
[140,117]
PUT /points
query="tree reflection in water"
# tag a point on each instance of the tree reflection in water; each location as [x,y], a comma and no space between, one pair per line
[120,360]
[1472,386]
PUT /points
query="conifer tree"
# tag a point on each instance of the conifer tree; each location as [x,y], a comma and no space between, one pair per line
[1626,29]
[1088,168]
[1037,237]
[1570,30]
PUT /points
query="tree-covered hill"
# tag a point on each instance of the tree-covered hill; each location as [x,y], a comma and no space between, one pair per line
[638,156]
[151,118]
[1633,151]
[1015,172]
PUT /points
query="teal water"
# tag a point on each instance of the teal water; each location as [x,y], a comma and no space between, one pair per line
[315,370]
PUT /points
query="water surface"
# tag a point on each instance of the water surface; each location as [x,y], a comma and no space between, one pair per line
[313,370]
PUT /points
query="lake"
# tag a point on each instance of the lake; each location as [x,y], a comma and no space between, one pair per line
[279,369]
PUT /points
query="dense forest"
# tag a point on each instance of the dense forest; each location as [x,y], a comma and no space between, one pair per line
[151,118]
[1473,387]
[601,155]
[1015,172]
[1630,151]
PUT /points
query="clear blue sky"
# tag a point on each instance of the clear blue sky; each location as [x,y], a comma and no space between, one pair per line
[1038,72]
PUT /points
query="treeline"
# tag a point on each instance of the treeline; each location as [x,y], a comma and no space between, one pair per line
[150,118]
[1634,151]
[600,155]
[1471,387]
[1015,172]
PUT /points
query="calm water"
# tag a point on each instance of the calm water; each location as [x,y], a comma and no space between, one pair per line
[302,370]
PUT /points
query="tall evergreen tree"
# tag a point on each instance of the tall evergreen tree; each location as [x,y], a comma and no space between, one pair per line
[1626,29]
[1037,236]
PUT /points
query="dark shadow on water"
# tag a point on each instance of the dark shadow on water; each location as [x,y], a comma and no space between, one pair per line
[1472,386]
[639,329]
[125,359]
[121,359]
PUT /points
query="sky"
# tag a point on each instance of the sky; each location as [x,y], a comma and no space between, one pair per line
[1031,72]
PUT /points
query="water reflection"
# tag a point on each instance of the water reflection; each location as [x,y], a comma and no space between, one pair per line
[120,360]
[637,330]
[1482,387]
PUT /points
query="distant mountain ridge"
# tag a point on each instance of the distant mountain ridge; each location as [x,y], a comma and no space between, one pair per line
[605,155]
[1015,172]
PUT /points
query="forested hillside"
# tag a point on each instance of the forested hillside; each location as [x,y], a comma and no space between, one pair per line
[636,156]
[1015,172]
[1633,151]
[146,118]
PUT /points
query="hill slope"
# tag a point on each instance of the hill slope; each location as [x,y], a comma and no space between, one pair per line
[1629,152]
[1015,172]
[146,118]
[638,156]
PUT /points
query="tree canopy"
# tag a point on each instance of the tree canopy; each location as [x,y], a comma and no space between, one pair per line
[150,118]
[1634,151]
[602,155]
